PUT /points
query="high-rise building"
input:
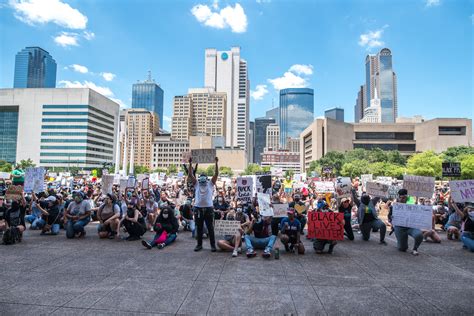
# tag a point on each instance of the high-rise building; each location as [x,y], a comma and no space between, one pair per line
[200,112]
[373,113]
[273,137]
[168,151]
[260,137]
[148,95]
[360,104]
[296,112]
[141,126]
[226,71]
[61,127]
[293,145]
[34,68]
[335,114]
[251,143]
[274,114]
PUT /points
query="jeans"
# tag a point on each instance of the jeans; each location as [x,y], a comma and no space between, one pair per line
[367,227]
[36,222]
[468,240]
[192,226]
[302,220]
[55,229]
[169,240]
[267,243]
[201,215]
[402,234]
[72,228]
[348,227]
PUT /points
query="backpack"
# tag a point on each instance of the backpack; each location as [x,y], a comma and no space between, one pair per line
[11,236]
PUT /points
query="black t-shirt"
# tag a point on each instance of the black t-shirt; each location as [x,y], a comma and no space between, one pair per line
[17,217]
[2,212]
[469,225]
[259,229]
[186,211]
[346,210]
[53,217]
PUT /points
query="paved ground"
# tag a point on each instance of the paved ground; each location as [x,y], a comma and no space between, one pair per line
[52,275]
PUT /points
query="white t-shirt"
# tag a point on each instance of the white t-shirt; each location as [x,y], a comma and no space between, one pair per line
[203,194]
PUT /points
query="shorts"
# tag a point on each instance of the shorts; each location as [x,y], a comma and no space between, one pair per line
[231,239]
[288,190]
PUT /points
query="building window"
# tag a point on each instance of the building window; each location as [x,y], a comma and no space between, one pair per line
[452,130]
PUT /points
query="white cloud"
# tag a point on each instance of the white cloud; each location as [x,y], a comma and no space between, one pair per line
[263,1]
[108,76]
[66,39]
[79,68]
[45,11]
[88,35]
[232,17]
[372,38]
[87,84]
[259,92]
[296,77]
[472,18]
[166,118]
[432,3]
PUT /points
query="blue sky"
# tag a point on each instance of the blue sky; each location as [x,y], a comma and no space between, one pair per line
[110,44]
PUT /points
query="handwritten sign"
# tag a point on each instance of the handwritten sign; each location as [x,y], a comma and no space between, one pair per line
[276,171]
[141,176]
[245,189]
[393,191]
[377,189]
[34,180]
[146,184]
[280,210]
[263,183]
[462,190]
[107,183]
[223,227]
[412,215]
[326,225]
[131,182]
[324,186]
[123,184]
[343,186]
[14,192]
[264,204]
[364,178]
[451,169]
[419,186]
[203,155]
[4,175]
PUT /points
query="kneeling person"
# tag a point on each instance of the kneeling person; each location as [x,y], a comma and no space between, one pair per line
[109,216]
[290,232]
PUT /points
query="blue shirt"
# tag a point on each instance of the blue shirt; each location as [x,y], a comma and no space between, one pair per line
[293,227]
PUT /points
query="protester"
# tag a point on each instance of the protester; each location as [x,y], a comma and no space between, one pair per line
[77,215]
[151,207]
[467,215]
[14,221]
[262,239]
[368,219]
[290,233]
[187,219]
[108,215]
[134,223]
[453,226]
[35,218]
[18,176]
[51,215]
[234,242]
[346,208]
[296,205]
[166,230]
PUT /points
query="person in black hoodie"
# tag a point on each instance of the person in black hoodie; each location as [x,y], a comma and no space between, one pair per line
[166,230]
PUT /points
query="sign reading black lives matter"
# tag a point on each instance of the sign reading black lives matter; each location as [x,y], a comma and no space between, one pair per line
[451,169]
[203,155]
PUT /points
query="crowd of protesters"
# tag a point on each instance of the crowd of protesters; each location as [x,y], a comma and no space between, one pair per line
[189,207]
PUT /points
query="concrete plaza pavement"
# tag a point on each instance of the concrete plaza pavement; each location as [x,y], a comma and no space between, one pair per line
[50,275]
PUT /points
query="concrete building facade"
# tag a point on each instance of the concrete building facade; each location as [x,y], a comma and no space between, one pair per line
[168,151]
[272,137]
[261,138]
[288,161]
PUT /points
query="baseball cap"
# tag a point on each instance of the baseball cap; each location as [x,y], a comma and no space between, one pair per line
[344,200]
[51,199]
[291,211]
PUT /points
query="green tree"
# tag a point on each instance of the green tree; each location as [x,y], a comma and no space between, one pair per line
[172,169]
[455,154]
[200,170]
[333,159]
[395,157]
[355,168]
[467,167]
[313,166]
[159,170]
[266,168]
[426,163]
[26,164]
[141,169]
[226,171]
[289,173]
[252,169]
[5,166]
[387,169]
[210,170]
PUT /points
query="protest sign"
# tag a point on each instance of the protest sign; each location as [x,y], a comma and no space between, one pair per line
[131,182]
[451,169]
[141,176]
[377,189]
[123,184]
[280,210]
[326,225]
[154,177]
[146,184]
[365,178]
[324,186]
[393,191]
[386,180]
[34,180]
[4,175]
[117,179]
[180,174]
[107,183]
[276,171]
[245,189]
[263,183]
[264,207]
[412,215]
[203,155]
[419,186]
[14,192]
[462,190]
[223,227]
[343,186]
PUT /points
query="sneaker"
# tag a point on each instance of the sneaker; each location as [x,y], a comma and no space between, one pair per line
[235,253]
[239,250]
[213,249]
[415,253]
[198,248]
[251,253]
[82,234]
[266,254]
[383,242]
[161,246]
[146,244]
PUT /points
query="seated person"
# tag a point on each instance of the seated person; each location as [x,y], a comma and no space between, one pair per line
[453,226]
[134,223]
[35,218]
[77,215]
[441,214]
[108,215]
[166,230]
[467,215]
[187,219]
[262,239]
[234,242]
[297,204]
[51,215]
[15,220]
[290,232]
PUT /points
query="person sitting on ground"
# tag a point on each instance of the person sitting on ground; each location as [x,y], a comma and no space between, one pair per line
[220,207]
[290,232]
[15,221]
[441,214]
[262,239]
[151,210]
[319,244]
[467,215]
[368,219]
[35,218]
[108,215]
[186,213]
[166,230]
[51,215]
[134,223]
[453,226]
[77,215]
[234,242]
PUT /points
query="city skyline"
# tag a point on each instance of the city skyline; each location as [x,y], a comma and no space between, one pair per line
[426,52]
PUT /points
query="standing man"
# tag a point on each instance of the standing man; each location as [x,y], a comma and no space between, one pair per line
[203,204]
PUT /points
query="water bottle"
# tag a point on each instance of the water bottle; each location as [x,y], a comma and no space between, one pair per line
[276,253]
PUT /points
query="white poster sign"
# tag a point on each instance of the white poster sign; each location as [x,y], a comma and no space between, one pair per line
[34,180]
[245,189]
[145,184]
[264,204]
[343,186]
[413,216]
[263,183]
[4,175]
[276,171]
[419,186]
[131,182]
[223,227]
[462,190]
[107,183]
[377,189]
[324,186]
[280,210]
[364,178]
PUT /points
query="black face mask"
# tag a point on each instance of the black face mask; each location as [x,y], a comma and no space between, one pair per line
[297,200]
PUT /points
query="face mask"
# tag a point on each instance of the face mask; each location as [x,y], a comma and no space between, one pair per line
[220,200]
[471,215]
[165,216]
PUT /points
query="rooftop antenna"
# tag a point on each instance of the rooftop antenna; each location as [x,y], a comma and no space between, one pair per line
[149,75]
[273,105]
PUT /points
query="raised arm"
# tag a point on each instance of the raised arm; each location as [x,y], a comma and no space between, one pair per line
[216,171]
[191,174]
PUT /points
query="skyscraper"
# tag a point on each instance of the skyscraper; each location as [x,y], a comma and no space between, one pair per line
[335,114]
[274,113]
[34,68]
[359,106]
[260,138]
[226,72]
[296,112]
[148,95]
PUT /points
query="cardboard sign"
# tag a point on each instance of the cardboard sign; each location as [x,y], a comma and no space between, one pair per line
[34,180]
[4,175]
[123,184]
[280,210]
[264,206]
[223,227]
[14,192]
[276,171]
[412,215]
[377,189]
[131,182]
[107,183]
[393,191]
[462,191]
[263,183]
[386,180]
[142,176]
[203,155]
[364,178]
[419,186]
[145,184]
[451,169]
[343,187]
[323,186]
[300,208]
[245,189]
[326,225]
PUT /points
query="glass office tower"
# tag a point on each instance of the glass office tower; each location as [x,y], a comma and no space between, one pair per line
[8,133]
[34,68]
[148,95]
[260,137]
[386,86]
